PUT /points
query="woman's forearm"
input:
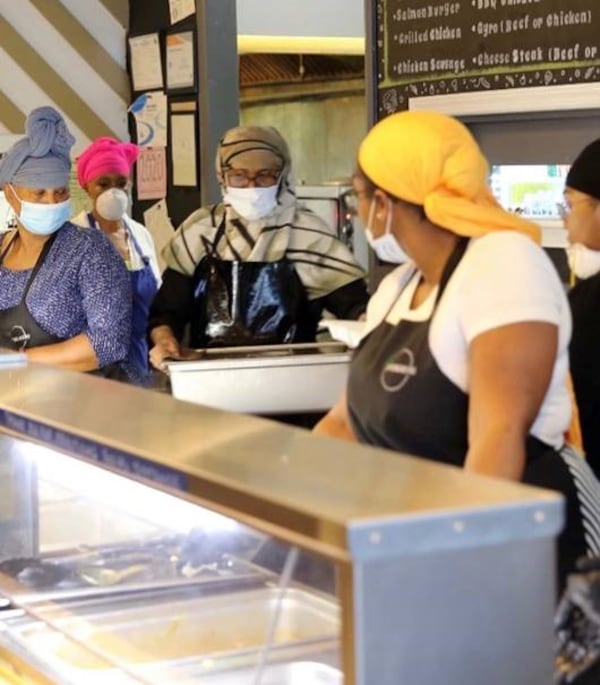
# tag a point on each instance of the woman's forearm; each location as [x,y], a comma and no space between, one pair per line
[76,354]
[336,423]
[498,452]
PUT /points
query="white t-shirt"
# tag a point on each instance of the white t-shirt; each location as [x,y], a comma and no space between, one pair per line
[144,240]
[503,278]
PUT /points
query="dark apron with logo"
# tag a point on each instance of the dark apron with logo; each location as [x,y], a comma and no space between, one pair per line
[248,303]
[399,398]
[18,329]
[143,290]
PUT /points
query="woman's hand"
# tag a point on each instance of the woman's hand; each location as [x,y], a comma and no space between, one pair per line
[510,370]
[336,423]
[165,346]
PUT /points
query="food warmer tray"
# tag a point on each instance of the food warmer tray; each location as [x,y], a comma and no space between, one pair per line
[265,379]
[91,641]
[150,565]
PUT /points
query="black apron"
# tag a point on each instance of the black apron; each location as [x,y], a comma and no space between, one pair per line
[248,303]
[399,398]
[18,329]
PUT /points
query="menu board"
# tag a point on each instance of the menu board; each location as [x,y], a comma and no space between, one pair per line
[442,47]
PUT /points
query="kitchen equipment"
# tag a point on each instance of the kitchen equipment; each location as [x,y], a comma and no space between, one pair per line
[267,379]
[174,629]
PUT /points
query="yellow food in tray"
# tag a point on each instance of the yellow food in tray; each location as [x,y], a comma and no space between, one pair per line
[196,628]
[176,640]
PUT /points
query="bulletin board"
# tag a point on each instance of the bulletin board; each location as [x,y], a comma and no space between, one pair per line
[179,85]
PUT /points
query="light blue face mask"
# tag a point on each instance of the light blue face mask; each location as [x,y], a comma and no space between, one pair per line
[41,218]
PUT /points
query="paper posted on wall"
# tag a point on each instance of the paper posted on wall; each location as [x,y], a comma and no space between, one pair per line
[150,112]
[180,9]
[157,221]
[152,173]
[146,65]
[183,149]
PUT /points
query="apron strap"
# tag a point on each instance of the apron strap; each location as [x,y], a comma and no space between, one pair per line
[219,235]
[8,246]
[38,265]
[145,259]
[453,261]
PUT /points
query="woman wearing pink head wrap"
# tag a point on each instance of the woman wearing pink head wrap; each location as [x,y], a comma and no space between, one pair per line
[104,172]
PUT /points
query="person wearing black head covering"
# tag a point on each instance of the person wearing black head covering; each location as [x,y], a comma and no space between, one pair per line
[582,221]
[65,298]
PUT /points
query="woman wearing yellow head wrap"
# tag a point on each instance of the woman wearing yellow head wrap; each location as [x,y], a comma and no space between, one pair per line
[465,356]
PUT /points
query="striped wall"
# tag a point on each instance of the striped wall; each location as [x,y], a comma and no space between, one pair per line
[70,54]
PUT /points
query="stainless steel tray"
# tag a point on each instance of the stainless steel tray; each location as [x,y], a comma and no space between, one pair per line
[270,379]
[97,637]
[208,561]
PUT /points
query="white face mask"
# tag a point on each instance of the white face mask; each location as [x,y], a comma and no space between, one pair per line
[112,204]
[386,247]
[583,262]
[252,203]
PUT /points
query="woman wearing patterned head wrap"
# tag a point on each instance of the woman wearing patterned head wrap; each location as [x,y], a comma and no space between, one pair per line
[465,360]
[280,262]
[104,172]
[582,221]
[64,293]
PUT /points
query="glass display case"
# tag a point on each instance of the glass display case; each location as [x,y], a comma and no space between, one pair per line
[149,540]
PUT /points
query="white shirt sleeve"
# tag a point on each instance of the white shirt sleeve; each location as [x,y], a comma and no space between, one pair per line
[507,278]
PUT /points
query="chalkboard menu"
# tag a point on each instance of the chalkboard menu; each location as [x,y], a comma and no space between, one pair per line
[429,47]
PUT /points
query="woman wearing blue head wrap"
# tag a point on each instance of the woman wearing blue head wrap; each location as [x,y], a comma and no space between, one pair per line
[64,293]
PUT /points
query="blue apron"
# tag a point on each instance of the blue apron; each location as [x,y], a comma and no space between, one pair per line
[143,288]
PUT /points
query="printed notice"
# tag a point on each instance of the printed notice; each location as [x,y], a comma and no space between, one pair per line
[157,221]
[152,173]
[183,149]
[180,9]
[180,60]
[150,112]
[146,67]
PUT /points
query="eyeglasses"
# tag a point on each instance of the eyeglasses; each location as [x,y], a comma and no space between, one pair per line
[565,207]
[350,200]
[240,178]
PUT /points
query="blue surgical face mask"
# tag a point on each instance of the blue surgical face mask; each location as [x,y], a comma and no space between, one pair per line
[41,218]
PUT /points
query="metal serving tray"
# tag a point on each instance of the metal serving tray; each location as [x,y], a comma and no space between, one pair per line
[207,562]
[267,379]
[210,633]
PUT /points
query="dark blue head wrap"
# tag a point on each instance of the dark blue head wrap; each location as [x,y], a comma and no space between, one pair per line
[41,159]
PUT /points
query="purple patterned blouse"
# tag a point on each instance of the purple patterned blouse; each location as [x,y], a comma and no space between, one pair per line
[82,287]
